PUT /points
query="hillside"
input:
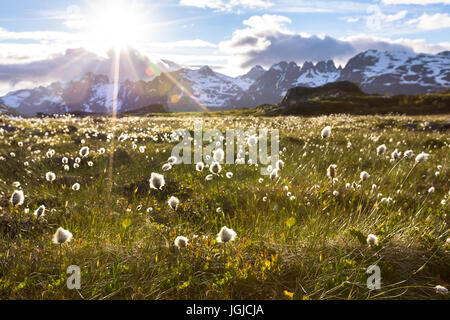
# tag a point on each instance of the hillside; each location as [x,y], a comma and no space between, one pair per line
[345,97]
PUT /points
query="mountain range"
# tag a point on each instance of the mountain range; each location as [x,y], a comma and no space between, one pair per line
[375,72]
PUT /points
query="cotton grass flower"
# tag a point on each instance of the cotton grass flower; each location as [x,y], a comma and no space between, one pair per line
[84,152]
[422,157]
[62,236]
[181,242]
[172,160]
[39,212]
[199,166]
[76,186]
[209,177]
[381,149]
[279,164]
[372,240]
[17,198]
[326,132]
[364,176]
[331,171]
[441,289]
[225,235]
[408,154]
[215,168]
[157,181]
[50,176]
[274,174]
[229,175]
[431,190]
[166,167]
[173,202]
[395,155]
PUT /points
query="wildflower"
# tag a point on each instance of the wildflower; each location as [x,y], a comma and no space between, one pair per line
[173,202]
[90,164]
[209,177]
[409,154]
[385,200]
[396,154]
[101,150]
[50,176]
[274,174]
[441,289]
[372,240]
[166,167]
[364,176]
[431,190]
[335,193]
[331,171]
[16,184]
[17,198]
[172,160]
[215,168]
[437,173]
[40,212]
[65,160]
[76,186]
[157,181]
[280,164]
[61,236]
[84,152]
[260,180]
[422,157]
[50,153]
[381,149]
[181,242]
[229,175]
[226,235]
[199,166]
[218,155]
[326,132]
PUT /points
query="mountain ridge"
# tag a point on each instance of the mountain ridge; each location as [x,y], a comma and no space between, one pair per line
[375,72]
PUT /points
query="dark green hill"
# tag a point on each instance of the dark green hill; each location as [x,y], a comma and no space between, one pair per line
[346,97]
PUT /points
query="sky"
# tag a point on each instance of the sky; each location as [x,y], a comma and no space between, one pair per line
[55,40]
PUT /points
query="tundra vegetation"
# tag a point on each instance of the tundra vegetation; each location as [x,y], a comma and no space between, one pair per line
[308,232]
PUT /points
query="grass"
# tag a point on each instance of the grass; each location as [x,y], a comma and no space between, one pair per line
[310,247]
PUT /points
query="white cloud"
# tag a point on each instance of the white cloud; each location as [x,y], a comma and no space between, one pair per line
[197,43]
[267,40]
[431,22]
[364,42]
[417,2]
[223,5]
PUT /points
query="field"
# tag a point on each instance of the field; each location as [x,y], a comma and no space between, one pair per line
[301,235]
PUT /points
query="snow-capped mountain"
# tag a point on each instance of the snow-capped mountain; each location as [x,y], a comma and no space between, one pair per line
[202,87]
[273,84]
[398,72]
[91,93]
[391,72]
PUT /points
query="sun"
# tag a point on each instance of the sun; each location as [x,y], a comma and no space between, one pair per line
[116,25]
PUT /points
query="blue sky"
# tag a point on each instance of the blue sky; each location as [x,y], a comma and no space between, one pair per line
[229,35]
